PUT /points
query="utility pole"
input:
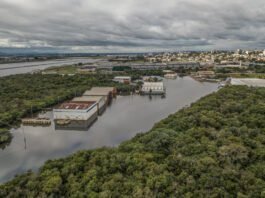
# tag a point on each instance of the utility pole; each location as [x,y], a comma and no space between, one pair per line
[25,140]
[31,111]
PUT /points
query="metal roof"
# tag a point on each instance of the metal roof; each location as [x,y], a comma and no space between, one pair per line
[252,82]
[122,77]
[153,84]
[88,99]
[99,91]
[76,105]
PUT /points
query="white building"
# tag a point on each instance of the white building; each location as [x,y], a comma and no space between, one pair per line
[123,79]
[87,69]
[251,82]
[153,88]
[81,111]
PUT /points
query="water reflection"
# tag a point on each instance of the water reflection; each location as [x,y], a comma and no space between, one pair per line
[128,115]
[76,125]
[157,96]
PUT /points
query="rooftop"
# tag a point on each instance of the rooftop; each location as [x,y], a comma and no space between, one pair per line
[122,77]
[254,82]
[99,91]
[103,89]
[76,105]
[87,99]
[153,84]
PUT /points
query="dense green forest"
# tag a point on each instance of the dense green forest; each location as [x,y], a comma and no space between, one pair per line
[25,93]
[215,148]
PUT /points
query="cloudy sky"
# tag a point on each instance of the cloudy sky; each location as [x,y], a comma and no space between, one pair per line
[131,25]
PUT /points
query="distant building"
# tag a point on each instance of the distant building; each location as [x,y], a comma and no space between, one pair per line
[230,66]
[122,79]
[151,59]
[251,82]
[205,74]
[167,71]
[87,69]
[49,72]
[153,88]
[238,51]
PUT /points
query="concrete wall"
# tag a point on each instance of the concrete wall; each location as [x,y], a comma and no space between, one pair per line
[78,124]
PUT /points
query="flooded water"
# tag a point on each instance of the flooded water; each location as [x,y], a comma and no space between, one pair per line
[127,116]
[20,68]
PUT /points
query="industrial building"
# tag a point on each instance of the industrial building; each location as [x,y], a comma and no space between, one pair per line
[251,82]
[74,113]
[123,79]
[153,88]
[82,111]
[108,92]
[100,100]
[87,69]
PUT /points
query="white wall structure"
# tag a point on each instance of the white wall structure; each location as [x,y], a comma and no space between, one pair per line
[251,82]
[153,88]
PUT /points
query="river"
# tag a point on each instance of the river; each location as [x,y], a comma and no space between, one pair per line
[26,67]
[127,116]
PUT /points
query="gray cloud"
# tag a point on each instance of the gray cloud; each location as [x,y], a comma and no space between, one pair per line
[132,25]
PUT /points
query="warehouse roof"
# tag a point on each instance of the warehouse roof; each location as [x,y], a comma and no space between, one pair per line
[99,91]
[107,89]
[252,82]
[88,99]
[76,105]
[122,77]
[153,84]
